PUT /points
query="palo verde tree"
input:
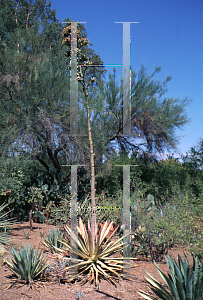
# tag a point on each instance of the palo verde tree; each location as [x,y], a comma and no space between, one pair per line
[35,83]
[34,90]
[154,117]
[30,74]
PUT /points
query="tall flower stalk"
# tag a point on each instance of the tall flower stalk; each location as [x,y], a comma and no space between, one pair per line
[93,203]
[86,79]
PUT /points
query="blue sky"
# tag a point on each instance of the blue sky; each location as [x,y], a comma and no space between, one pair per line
[169,34]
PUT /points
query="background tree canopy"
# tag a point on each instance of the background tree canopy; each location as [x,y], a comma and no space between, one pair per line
[35,136]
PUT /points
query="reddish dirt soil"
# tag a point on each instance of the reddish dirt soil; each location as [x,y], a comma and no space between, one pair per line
[50,290]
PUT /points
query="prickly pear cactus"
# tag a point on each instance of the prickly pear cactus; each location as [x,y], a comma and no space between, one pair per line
[146,205]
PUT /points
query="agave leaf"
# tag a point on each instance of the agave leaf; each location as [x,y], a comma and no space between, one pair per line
[146,295]
[105,231]
[183,268]
[12,267]
[195,270]
[83,271]
[64,242]
[103,271]
[111,249]
[5,240]
[188,286]
[3,220]
[184,278]
[154,283]
[17,262]
[82,246]
[180,281]
[83,232]
[90,242]
[30,259]
[96,273]
[13,264]
[161,295]
[198,289]
[113,244]
[42,268]
[170,282]
[108,268]
[157,288]
[113,232]
[171,267]
[78,240]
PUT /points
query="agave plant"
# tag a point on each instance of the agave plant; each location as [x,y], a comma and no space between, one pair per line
[27,264]
[183,283]
[5,222]
[54,240]
[93,257]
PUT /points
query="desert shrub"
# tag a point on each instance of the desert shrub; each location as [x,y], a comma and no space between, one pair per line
[107,209]
[148,238]
[177,222]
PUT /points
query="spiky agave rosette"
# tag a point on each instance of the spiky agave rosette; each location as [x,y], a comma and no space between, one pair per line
[5,223]
[182,282]
[93,257]
[27,264]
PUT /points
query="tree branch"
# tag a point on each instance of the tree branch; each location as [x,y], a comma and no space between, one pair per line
[39,158]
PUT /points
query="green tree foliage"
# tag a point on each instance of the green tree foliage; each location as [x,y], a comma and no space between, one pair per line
[154,116]
[34,80]
[194,158]
[185,173]
[34,117]
[193,161]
